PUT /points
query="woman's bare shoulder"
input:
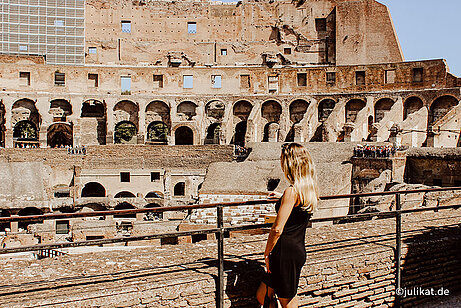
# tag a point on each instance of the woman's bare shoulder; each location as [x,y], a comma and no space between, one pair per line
[291,194]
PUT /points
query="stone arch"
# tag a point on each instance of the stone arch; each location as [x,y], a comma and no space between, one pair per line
[93,189]
[25,110]
[125,132]
[60,135]
[214,110]
[440,107]
[158,111]
[271,132]
[213,134]
[382,107]
[124,194]
[153,215]
[25,130]
[186,111]
[241,112]
[92,108]
[29,211]
[179,189]
[60,109]
[352,109]
[298,109]
[411,105]
[326,107]
[157,132]
[127,111]
[184,135]
[124,206]
[154,195]
[271,110]
[4,213]
[97,207]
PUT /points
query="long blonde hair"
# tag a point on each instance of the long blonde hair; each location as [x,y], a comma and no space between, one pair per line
[299,170]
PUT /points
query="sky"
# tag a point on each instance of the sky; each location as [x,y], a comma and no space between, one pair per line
[427,29]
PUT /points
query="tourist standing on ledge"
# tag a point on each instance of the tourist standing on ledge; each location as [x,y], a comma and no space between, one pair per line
[285,252]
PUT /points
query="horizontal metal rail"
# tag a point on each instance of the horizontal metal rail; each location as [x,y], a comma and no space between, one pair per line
[212,205]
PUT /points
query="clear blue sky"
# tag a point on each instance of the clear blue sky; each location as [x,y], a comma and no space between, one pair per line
[427,29]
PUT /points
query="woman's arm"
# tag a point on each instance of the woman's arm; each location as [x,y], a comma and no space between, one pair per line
[289,200]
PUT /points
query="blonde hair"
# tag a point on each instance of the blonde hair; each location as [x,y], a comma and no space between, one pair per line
[299,170]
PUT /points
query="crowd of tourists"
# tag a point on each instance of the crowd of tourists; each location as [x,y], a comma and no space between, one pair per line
[373,151]
[26,145]
[79,150]
[240,150]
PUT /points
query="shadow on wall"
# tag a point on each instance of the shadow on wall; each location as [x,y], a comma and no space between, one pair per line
[433,261]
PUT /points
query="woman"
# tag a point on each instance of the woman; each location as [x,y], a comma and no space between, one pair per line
[285,252]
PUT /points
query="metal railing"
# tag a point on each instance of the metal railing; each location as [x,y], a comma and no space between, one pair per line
[220,229]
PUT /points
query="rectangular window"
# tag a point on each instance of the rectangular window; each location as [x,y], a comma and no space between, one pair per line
[418,74]
[331,77]
[321,24]
[62,227]
[125,83]
[192,27]
[216,81]
[273,84]
[24,78]
[154,176]
[92,50]
[302,79]
[22,47]
[124,177]
[287,51]
[360,78]
[224,52]
[245,81]
[93,80]
[59,23]
[59,79]
[126,26]
[188,81]
[158,81]
[389,76]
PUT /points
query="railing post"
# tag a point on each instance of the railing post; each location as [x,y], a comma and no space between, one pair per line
[398,248]
[220,295]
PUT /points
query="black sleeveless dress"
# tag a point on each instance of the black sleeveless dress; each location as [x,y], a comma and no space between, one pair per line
[288,255]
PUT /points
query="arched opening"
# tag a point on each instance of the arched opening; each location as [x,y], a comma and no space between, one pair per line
[93,189]
[2,125]
[29,211]
[151,216]
[124,194]
[4,225]
[60,109]
[25,132]
[126,112]
[186,111]
[25,110]
[271,132]
[125,133]
[95,109]
[215,110]
[60,135]
[184,136]
[97,207]
[440,107]
[352,109]
[411,105]
[213,134]
[326,107]
[240,133]
[382,107]
[157,132]
[124,206]
[179,189]
[154,195]
[241,112]
[298,109]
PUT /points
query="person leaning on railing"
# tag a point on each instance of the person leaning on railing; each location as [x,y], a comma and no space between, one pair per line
[285,252]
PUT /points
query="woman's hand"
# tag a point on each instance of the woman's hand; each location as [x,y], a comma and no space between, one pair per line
[274,195]
[266,260]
